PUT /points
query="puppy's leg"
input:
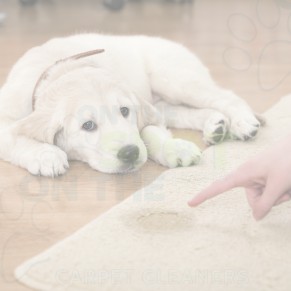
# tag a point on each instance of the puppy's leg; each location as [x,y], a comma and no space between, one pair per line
[178,77]
[38,158]
[168,151]
[212,123]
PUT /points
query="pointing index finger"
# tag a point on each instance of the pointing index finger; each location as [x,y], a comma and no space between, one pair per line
[230,181]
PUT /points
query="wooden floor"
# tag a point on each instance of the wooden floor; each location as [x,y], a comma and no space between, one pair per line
[245,43]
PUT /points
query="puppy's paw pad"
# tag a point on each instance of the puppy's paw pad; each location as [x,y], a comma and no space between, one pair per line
[215,129]
[48,161]
[244,128]
[181,153]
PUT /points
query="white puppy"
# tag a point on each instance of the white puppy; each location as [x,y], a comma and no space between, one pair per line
[67,100]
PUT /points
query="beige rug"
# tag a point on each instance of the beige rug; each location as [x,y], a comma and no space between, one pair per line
[154,241]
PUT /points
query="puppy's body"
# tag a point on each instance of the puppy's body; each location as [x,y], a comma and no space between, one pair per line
[161,82]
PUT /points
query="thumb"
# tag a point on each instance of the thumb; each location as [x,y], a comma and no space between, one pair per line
[273,193]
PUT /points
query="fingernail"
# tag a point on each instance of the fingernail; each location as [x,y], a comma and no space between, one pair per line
[190,203]
[256,216]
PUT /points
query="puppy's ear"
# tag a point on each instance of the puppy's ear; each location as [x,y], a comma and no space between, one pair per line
[41,126]
[147,114]
[46,120]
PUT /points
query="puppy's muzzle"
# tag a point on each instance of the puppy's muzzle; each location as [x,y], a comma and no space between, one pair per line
[128,154]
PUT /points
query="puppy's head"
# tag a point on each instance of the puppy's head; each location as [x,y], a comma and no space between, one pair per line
[93,117]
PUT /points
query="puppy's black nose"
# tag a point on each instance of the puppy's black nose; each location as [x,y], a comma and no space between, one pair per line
[128,154]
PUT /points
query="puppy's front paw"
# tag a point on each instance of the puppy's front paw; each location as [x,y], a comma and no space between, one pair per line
[244,127]
[180,153]
[215,129]
[48,160]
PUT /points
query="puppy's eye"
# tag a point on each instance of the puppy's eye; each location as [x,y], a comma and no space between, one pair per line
[124,111]
[89,126]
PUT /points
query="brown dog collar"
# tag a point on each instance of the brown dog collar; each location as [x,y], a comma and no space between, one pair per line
[45,74]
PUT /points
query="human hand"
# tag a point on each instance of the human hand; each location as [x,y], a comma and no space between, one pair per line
[266,179]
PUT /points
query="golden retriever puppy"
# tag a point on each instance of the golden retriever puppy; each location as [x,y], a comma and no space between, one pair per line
[107,100]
